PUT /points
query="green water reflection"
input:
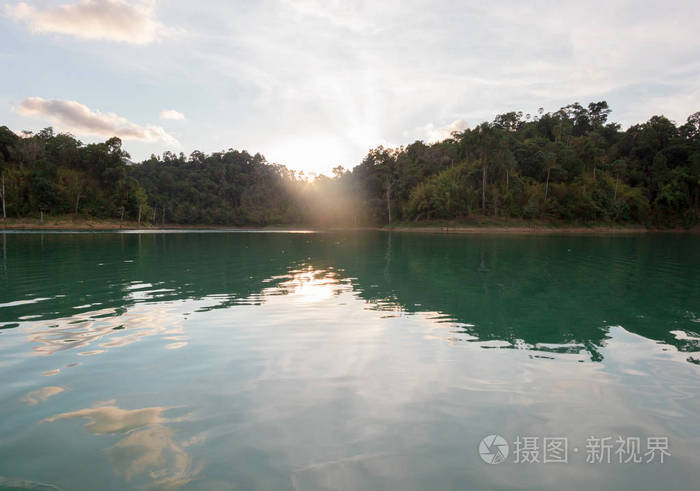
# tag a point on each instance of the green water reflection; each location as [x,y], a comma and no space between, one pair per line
[341,360]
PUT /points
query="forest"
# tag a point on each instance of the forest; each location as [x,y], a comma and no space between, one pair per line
[569,166]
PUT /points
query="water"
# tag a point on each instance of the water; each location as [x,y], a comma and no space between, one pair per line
[344,361]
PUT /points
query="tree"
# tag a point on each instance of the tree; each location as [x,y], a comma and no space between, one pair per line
[550,159]
[598,113]
[485,138]
[587,169]
[619,167]
[2,194]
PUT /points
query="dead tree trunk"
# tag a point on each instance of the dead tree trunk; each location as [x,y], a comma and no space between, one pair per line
[483,185]
[4,213]
[77,203]
[388,199]
[163,222]
[546,186]
[139,218]
[41,215]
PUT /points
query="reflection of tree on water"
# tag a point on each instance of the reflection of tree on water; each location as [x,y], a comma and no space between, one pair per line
[101,269]
[482,265]
[539,291]
[9,483]
[387,256]
[534,291]
[149,453]
[482,269]
[4,255]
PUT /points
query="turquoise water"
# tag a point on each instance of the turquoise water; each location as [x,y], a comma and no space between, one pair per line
[231,360]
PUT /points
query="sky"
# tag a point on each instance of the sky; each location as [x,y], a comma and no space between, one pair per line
[315,84]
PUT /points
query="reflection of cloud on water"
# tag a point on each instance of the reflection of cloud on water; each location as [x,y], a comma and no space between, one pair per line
[114,327]
[152,452]
[177,345]
[112,419]
[688,341]
[149,453]
[41,395]
[442,326]
[435,398]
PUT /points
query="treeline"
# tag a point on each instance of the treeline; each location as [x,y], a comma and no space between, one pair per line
[224,188]
[570,165]
[55,174]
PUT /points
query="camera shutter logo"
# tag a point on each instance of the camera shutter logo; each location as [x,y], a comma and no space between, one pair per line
[493,449]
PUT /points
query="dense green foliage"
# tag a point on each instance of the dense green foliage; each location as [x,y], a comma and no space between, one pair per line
[56,174]
[570,165]
[232,188]
[53,173]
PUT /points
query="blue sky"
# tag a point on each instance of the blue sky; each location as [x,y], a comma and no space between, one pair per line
[315,84]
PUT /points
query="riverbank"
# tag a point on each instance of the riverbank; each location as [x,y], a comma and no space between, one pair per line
[520,227]
[100,224]
[68,223]
[534,230]
[529,227]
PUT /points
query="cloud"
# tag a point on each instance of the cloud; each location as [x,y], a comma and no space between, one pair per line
[110,20]
[438,134]
[354,73]
[80,119]
[172,114]
[41,395]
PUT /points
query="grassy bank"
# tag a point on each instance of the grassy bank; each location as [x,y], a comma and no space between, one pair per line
[73,222]
[518,226]
[68,223]
[472,226]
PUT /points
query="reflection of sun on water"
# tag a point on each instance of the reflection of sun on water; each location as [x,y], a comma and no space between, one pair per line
[312,286]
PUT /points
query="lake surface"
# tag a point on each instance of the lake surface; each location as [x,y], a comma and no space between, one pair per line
[277,361]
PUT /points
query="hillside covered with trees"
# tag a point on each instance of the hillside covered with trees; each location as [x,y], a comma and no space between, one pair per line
[571,165]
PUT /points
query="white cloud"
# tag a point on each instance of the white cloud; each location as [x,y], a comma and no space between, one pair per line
[440,133]
[80,119]
[110,20]
[172,114]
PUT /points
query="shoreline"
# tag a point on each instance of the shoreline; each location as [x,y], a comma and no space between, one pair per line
[519,228]
[522,230]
